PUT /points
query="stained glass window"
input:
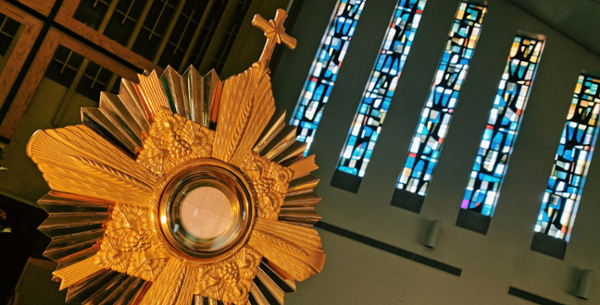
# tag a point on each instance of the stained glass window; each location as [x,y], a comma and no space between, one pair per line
[426,144]
[325,67]
[380,88]
[572,161]
[503,125]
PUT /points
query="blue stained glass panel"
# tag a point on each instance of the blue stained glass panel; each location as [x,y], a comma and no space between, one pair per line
[503,124]
[572,161]
[325,67]
[380,88]
[426,144]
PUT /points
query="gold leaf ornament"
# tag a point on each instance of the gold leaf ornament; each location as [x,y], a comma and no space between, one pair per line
[182,189]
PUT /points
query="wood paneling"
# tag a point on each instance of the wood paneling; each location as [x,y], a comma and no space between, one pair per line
[38,68]
[31,29]
[41,6]
[65,18]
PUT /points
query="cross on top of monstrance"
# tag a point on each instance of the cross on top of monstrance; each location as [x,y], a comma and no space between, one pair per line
[275,33]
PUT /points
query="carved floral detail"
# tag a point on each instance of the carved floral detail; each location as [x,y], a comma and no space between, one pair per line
[270,181]
[128,245]
[149,263]
[173,140]
[229,280]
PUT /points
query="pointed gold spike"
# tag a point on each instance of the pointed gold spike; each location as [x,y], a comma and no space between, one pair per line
[193,89]
[303,166]
[246,106]
[276,123]
[173,82]
[305,215]
[104,291]
[270,285]
[61,243]
[129,96]
[258,296]
[97,120]
[304,199]
[75,258]
[63,253]
[211,92]
[112,106]
[57,202]
[285,137]
[304,184]
[80,292]
[133,292]
[77,272]
[152,94]
[117,292]
[295,249]
[296,149]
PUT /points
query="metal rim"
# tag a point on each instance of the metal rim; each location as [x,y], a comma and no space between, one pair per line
[169,195]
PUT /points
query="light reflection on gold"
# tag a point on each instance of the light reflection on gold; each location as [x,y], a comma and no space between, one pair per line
[217,134]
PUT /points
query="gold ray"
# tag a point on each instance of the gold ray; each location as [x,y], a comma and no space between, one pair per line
[276,123]
[167,286]
[309,199]
[104,291]
[152,94]
[268,284]
[172,82]
[295,150]
[80,292]
[189,284]
[295,249]
[306,216]
[79,140]
[193,89]
[284,138]
[130,99]
[120,291]
[258,296]
[56,202]
[302,166]
[77,272]
[117,113]
[304,184]
[66,245]
[246,106]
[284,282]
[211,95]
[133,293]
[97,120]
[76,180]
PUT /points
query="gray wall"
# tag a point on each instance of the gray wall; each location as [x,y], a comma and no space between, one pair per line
[358,274]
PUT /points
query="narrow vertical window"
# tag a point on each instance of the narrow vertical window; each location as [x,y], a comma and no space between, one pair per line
[378,94]
[426,144]
[572,162]
[325,67]
[502,128]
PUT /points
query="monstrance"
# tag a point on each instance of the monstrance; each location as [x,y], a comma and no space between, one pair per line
[182,189]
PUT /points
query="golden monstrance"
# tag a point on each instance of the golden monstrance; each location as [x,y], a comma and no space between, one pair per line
[182,189]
